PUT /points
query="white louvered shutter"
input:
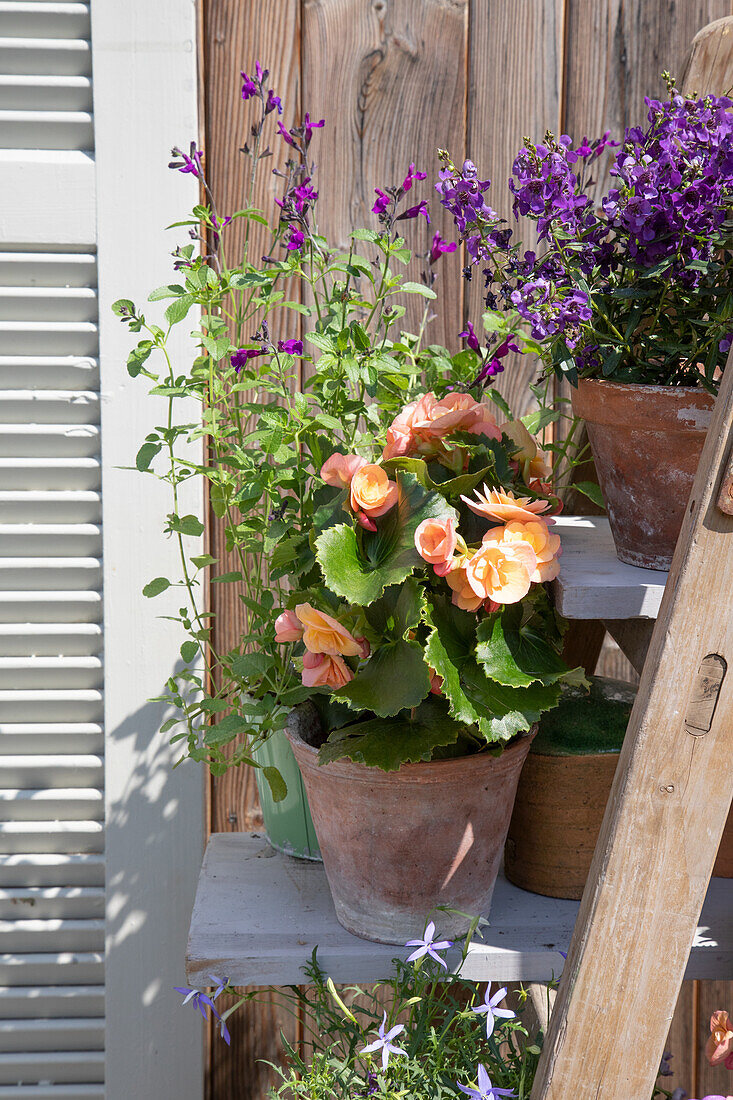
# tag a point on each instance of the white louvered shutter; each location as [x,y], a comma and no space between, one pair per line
[51,676]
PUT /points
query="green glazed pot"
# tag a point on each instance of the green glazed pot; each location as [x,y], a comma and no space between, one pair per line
[288,823]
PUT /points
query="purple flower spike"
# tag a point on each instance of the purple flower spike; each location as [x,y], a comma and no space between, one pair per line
[383,201]
[439,247]
[428,946]
[384,1042]
[492,1012]
[411,177]
[471,338]
[414,211]
[296,240]
[290,347]
[485,1090]
[284,134]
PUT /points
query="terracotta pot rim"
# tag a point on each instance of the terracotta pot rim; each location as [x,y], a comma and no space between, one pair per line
[430,771]
[643,387]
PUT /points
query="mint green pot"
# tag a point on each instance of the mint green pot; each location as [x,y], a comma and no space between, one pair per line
[288,823]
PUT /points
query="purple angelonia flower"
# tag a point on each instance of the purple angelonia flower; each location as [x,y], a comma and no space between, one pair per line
[470,337]
[415,211]
[411,177]
[493,1013]
[241,357]
[382,202]
[274,103]
[384,1042]
[429,946]
[189,162]
[485,1090]
[290,347]
[439,247]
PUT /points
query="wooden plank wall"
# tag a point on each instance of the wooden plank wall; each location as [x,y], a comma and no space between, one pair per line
[396,80]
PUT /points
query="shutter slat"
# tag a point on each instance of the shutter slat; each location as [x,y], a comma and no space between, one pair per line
[77,574]
[47,673]
[72,1034]
[63,1066]
[66,903]
[47,269]
[49,406]
[48,372]
[51,1001]
[46,129]
[47,739]
[39,93]
[59,473]
[53,303]
[63,506]
[52,804]
[67,770]
[49,640]
[51,869]
[55,607]
[82,705]
[52,57]
[48,337]
[55,935]
[59,837]
[45,20]
[52,1092]
[52,968]
[66,540]
[49,440]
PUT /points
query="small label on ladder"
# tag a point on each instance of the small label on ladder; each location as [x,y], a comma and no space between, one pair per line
[705,692]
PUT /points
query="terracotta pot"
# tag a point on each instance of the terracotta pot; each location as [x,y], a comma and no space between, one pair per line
[557,817]
[396,844]
[646,442]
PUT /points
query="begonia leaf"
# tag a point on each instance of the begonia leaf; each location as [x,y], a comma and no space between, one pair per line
[388,743]
[394,678]
[517,653]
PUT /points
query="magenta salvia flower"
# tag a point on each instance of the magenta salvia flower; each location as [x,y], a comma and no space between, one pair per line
[382,202]
[285,134]
[251,86]
[241,357]
[415,211]
[384,1042]
[309,127]
[493,1013]
[485,1090]
[189,162]
[296,239]
[439,247]
[429,946]
[411,177]
[290,347]
[274,103]
[470,337]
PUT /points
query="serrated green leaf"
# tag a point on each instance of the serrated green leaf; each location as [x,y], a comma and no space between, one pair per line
[177,310]
[138,356]
[359,569]
[189,651]
[393,679]
[226,730]
[365,235]
[249,666]
[224,578]
[173,290]
[398,611]
[156,586]
[454,487]
[186,525]
[590,490]
[514,653]
[123,307]
[202,560]
[506,711]
[387,743]
[415,288]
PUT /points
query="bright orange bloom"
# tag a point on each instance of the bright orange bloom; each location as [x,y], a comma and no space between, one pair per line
[323,670]
[435,541]
[372,492]
[463,595]
[339,469]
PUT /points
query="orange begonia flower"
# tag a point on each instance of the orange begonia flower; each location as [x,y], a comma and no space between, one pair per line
[324,670]
[545,545]
[719,1048]
[372,492]
[504,506]
[324,634]
[501,572]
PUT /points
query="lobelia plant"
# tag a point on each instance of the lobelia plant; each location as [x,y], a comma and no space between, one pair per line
[424,1032]
[391,538]
[636,290]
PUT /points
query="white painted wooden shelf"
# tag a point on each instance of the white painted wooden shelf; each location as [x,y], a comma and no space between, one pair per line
[593,583]
[258,915]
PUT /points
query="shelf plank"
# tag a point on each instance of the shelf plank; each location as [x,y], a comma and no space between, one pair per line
[258,915]
[593,583]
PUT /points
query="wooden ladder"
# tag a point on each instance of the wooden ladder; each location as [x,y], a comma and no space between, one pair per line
[673,785]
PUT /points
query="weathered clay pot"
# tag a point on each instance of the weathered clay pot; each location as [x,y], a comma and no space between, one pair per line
[646,442]
[396,844]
